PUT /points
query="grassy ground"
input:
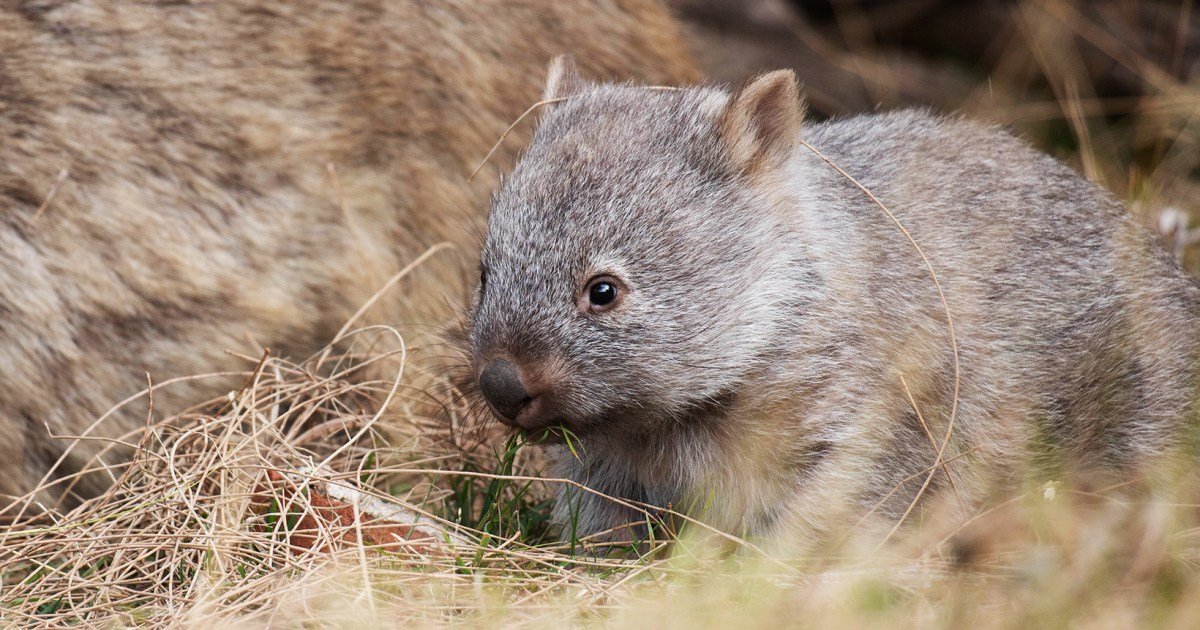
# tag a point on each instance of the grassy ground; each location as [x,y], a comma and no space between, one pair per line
[354,487]
[227,516]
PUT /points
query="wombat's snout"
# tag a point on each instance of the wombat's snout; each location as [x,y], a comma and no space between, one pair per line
[504,389]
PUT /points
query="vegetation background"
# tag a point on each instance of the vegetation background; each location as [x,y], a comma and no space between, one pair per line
[357,487]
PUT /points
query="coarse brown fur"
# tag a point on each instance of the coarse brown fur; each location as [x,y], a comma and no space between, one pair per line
[780,362]
[165,189]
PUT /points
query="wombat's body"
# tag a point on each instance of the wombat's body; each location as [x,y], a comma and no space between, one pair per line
[778,361]
[165,190]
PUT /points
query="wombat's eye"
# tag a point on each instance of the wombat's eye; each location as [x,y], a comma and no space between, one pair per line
[601,294]
[482,278]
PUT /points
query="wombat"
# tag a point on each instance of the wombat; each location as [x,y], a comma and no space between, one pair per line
[177,177]
[720,321]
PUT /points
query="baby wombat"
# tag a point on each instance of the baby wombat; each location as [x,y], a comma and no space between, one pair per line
[730,326]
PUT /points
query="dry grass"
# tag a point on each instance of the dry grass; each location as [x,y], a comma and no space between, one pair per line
[224,517]
[224,511]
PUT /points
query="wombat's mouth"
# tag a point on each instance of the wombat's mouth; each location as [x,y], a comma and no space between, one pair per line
[553,434]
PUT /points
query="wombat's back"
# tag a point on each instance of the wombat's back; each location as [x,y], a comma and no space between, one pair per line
[1075,329]
[177,176]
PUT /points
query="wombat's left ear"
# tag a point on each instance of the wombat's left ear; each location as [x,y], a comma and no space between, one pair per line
[761,123]
[564,79]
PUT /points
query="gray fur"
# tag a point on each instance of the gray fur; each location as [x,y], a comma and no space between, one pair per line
[757,362]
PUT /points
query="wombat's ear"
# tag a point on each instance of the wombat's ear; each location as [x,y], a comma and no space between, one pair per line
[761,123]
[564,79]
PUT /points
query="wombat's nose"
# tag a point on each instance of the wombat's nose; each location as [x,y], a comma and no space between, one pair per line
[501,385]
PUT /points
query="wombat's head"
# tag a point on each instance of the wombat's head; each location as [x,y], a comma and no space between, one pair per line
[633,268]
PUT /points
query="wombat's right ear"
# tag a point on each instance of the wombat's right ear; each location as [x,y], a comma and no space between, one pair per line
[761,123]
[564,79]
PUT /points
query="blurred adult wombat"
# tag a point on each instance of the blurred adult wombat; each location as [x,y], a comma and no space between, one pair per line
[165,187]
[730,326]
